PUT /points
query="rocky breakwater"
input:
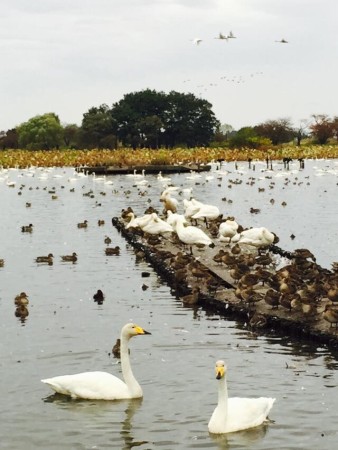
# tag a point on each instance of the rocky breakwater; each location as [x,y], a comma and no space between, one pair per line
[266,287]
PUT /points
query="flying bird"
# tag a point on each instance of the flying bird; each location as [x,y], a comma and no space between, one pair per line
[222,37]
[197,41]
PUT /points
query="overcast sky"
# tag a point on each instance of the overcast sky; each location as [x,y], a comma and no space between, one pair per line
[66,56]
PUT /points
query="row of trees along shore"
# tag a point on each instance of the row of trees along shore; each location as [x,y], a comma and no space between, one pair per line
[151,119]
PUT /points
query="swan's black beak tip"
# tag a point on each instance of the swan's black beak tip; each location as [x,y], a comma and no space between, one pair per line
[146,332]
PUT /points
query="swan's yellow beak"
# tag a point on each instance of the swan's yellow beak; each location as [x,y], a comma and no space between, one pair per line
[219,372]
[140,330]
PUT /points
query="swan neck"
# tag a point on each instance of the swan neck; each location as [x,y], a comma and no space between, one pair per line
[131,382]
[223,396]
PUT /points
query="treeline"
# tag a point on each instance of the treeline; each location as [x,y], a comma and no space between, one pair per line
[151,119]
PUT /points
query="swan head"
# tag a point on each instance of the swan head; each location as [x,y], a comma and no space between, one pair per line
[131,329]
[220,369]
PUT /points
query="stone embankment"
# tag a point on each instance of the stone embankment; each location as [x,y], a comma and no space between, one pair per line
[245,285]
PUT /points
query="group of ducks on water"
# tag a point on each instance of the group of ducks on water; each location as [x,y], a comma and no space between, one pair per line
[48,259]
[230,415]
[21,303]
[301,287]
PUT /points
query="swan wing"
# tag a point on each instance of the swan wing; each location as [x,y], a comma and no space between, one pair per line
[90,385]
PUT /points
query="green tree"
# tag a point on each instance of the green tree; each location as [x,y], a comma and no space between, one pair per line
[154,119]
[139,118]
[41,132]
[98,128]
[322,128]
[9,139]
[247,137]
[71,135]
[278,131]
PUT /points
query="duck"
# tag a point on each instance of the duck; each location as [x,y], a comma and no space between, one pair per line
[22,312]
[103,385]
[112,251]
[21,299]
[2,262]
[192,298]
[258,321]
[107,240]
[83,224]
[116,350]
[191,235]
[330,314]
[70,258]
[98,297]
[45,259]
[272,298]
[100,222]
[27,228]
[236,413]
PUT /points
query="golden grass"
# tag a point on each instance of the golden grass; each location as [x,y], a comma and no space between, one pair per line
[127,157]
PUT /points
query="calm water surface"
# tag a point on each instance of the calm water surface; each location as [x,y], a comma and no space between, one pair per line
[67,332]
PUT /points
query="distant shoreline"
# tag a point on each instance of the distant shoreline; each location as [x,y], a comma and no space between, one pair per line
[144,157]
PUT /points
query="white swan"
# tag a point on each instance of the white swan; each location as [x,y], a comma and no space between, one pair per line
[236,413]
[255,237]
[191,207]
[227,230]
[171,218]
[170,203]
[157,226]
[138,222]
[206,212]
[190,235]
[103,385]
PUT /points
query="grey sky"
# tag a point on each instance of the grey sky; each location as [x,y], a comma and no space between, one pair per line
[65,56]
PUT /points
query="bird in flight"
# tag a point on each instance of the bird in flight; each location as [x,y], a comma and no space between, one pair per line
[197,41]
[283,41]
[222,37]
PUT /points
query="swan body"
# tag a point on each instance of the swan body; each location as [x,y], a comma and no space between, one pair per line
[170,203]
[236,414]
[255,237]
[157,226]
[138,222]
[172,217]
[190,235]
[191,207]
[207,212]
[227,230]
[103,385]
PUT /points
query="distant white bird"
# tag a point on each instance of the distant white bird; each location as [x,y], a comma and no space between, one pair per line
[197,41]
[236,413]
[191,207]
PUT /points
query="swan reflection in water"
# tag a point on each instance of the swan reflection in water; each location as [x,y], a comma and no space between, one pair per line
[240,439]
[126,432]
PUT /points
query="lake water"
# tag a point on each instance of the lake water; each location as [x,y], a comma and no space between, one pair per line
[67,332]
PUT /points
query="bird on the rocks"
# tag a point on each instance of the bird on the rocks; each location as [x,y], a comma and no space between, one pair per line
[272,298]
[330,314]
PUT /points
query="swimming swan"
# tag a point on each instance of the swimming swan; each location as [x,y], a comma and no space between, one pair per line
[103,385]
[235,414]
